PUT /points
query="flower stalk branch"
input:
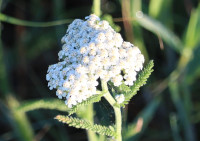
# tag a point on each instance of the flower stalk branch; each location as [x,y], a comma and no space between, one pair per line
[118,117]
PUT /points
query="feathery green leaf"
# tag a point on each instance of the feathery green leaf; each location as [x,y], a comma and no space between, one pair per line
[83,124]
[141,80]
[90,100]
[53,104]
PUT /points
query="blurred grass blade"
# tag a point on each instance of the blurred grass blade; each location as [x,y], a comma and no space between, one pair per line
[133,30]
[4,87]
[135,6]
[59,8]
[187,97]
[157,28]
[20,123]
[135,129]
[192,37]
[159,9]
[155,7]
[15,21]
[193,68]
[188,131]
[174,127]
[4,84]
[52,104]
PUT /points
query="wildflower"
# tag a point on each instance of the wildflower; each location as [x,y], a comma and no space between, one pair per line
[92,50]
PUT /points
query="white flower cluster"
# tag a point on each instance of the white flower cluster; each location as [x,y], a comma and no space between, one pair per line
[120,98]
[92,50]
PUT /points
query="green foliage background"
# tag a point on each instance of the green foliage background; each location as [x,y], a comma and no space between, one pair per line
[166,108]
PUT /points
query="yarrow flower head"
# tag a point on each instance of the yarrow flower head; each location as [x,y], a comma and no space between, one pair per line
[92,50]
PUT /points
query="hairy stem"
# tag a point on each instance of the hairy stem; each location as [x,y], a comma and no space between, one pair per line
[118,117]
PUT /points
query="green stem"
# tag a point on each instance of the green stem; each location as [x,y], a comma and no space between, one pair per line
[15,21]
[97,7]
[118,117]
[91,135]
[4,84]
[118,121]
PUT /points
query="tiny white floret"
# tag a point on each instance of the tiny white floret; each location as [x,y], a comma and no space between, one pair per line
[120,98]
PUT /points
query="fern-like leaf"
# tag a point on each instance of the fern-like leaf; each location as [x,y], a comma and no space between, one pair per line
[90,100]
[83,124]
[50,103]
[142,79]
